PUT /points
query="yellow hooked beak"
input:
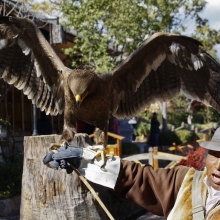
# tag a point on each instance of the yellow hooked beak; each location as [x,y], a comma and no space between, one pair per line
[78,100]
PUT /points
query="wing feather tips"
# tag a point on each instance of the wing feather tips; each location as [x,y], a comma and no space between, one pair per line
[22,73]
[25,49]
[186,55]
[3,43]
[160,85]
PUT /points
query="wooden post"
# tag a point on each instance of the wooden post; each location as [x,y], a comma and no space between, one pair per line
[151,156]
[54,195]
[119,147]
[204,137]
[155,150]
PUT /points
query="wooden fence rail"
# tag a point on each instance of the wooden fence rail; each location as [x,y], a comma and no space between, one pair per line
[153,156]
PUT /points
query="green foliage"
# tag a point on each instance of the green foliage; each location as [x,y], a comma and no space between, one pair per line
[11,175]
[177,110]
[11,165]
[5,124]
[142,129]
[44,6]
[7,144]
[199,117]
[108,29]
[143,123]
[207,36]
[205,126]
[168,138]
[129,148]
[186,136]
[205,116]
[178,137]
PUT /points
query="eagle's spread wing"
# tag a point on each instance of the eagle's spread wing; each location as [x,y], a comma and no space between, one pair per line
[29,63]
[157,71]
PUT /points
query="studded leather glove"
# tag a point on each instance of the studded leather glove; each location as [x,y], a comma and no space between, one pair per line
[85,161]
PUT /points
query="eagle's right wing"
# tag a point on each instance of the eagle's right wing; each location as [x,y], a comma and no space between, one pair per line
[157,71]
[29,63]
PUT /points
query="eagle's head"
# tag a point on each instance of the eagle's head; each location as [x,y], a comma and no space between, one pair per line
[80,84]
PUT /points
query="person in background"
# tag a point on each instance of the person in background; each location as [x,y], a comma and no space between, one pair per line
[133,123]
[116,126]
[154,130]
[44,125]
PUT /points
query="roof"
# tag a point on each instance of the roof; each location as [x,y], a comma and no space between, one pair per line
[13,8]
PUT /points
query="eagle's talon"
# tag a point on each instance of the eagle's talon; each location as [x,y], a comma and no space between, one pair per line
[100,153]
[56,146]
[65,144]
[113,158]
[93,159]
[103,168]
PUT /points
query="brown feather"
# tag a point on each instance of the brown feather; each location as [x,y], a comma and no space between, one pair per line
[157,71]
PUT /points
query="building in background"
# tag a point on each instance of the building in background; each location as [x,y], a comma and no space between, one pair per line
[14,106]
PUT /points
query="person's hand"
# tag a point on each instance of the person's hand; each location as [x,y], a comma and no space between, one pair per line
[85,161]
[63,158]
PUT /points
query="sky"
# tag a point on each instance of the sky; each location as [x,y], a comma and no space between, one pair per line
[212,13]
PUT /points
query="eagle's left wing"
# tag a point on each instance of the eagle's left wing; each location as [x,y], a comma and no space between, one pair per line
[157,71]
[29,63]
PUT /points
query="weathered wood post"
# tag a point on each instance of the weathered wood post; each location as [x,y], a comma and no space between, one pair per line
[49,194]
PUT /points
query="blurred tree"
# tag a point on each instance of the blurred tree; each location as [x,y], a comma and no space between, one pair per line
[205,116]
[45,6]
[109,30]
[177,110]
[207,36]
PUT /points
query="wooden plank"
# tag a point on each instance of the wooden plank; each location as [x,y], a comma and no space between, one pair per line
[167,156]
[160,156]
[144,156]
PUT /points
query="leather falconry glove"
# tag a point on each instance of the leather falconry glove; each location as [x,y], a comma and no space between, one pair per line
[85,161]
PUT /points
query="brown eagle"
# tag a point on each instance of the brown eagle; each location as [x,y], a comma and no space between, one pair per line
[162,66]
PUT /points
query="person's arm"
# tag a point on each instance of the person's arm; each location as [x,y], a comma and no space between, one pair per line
[154,190]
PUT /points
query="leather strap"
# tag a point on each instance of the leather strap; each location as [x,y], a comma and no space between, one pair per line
[197,207]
